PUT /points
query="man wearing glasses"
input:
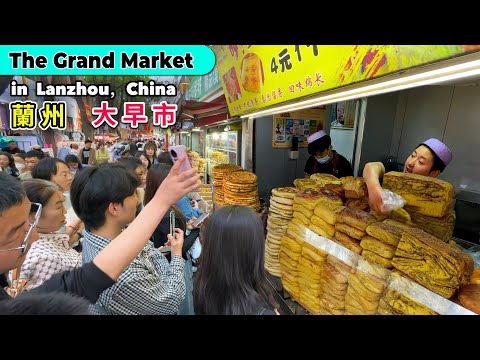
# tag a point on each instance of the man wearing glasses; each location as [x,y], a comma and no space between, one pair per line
[18,228]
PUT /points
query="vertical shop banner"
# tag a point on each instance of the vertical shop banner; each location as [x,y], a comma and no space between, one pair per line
[300,123]
[257,76]
[203,85]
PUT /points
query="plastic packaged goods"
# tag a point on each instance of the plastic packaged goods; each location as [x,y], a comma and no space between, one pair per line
[391,201]
[346,283]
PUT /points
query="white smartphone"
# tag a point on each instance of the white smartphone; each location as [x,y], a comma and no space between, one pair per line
[176,152]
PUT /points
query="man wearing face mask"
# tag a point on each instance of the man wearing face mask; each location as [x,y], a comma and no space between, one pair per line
[324,159]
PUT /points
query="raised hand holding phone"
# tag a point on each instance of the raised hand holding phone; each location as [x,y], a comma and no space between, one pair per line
[176,153]
[176,242]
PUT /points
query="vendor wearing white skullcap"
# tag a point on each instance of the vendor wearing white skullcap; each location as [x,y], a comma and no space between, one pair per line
[429,159]
[324,159]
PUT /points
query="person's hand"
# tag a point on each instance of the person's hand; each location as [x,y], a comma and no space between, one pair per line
[177,184]
[375,198]
[190,223]
[177,242]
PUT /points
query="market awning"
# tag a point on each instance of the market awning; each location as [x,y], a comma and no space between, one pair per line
[191,109]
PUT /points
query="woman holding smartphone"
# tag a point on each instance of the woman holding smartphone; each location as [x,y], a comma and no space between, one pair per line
[156,175]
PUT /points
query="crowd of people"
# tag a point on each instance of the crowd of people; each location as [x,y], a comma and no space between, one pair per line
[90,232]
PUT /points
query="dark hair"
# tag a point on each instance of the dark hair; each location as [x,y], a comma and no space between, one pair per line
[53,303]
[39,190]
[150,144]
[36,154]
[319,145]
[165,158]
[95,187]
[11,163]
[140,153]
[132,163]
[12,193]
[74,159]
[46,168]
[438,164]
[88,141]
[155,176]
[231,279]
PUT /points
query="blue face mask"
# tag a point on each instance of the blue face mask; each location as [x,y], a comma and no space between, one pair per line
[324,159]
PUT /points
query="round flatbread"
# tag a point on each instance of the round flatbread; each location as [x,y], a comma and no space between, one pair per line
[241,177]
[287,192]
[278,205]
[306,184]
[282,200]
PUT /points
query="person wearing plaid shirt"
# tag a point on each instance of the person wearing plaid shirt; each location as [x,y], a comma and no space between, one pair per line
[150,285]
[105,199]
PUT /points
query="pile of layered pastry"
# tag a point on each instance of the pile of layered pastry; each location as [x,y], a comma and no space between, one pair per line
[411,245]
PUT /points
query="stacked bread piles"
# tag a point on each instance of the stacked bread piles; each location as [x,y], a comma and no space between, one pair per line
[241,188]
[306,184]
[350,228]
[441,227]
[334,283]
[219,172]
[303,204]
[434,264]
[429,196]
[356,193]
[290,252]
[310,270]
[366,284]
[325,213]
[395,302]
[280,213]
[380,244]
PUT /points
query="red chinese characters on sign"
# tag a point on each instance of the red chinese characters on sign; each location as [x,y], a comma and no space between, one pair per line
[299,86]
[104,113]
[164,114]
[291,88]
[134,114]
[319,79]
[308,81]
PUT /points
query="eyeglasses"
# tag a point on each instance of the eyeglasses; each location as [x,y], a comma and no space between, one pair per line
[38,212]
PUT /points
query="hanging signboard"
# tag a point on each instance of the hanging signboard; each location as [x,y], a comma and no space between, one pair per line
[257,76]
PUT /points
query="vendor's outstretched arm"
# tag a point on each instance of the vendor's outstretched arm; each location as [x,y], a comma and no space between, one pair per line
[371,174]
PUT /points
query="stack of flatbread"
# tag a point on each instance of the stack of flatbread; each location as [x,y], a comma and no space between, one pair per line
[290,252]
[280,213]
[366,284]
[219,172]
[380,244]
[241,188]
[325,213]
[304,203]
[310,269]
[350,228]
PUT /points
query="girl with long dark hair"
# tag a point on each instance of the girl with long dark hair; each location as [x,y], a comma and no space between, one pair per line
[230,279]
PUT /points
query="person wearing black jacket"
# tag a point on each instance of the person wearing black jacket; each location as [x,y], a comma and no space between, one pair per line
[18,232]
